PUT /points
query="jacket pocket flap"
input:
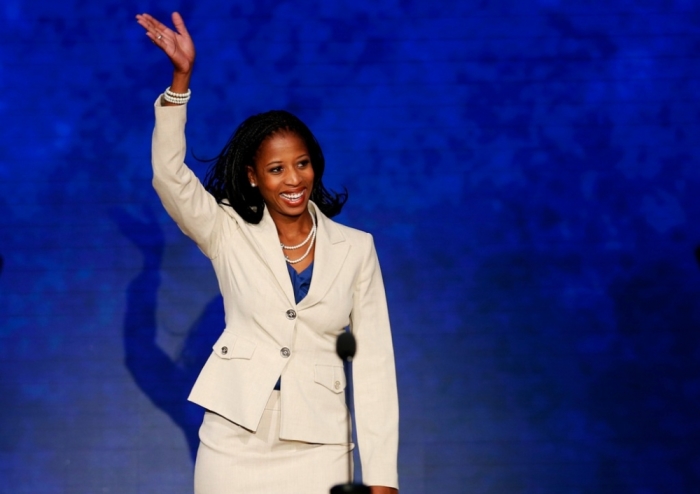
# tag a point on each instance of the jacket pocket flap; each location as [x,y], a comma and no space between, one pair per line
[331,377]
[230,346]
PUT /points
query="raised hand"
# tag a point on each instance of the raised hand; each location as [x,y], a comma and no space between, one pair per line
[177,45]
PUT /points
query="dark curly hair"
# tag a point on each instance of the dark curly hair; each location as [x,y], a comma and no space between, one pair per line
[228,176]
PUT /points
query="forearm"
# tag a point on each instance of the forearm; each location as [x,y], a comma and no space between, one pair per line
[180,84]
[182,195]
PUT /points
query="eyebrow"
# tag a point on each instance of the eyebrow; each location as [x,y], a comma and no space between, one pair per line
[278,162]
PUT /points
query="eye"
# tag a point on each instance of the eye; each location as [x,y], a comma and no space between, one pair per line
[275,169]
[304,163]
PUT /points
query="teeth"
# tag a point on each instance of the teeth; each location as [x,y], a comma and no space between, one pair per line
[292,197]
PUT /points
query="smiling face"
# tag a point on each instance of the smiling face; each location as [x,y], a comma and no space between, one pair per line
[283,174]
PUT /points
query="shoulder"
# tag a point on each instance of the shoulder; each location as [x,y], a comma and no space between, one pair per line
[353,233]
[228,210]
[339,232]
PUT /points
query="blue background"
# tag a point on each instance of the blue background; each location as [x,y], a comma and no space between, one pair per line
[529,171]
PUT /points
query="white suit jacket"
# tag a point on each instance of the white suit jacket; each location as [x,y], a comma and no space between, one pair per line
[267,334]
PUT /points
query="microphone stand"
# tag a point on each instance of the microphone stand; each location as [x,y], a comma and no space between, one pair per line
[345,347]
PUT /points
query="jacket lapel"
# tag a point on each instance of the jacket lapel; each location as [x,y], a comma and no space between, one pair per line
[329,256]
[265,240]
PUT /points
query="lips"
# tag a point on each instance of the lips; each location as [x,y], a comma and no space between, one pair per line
[293,197]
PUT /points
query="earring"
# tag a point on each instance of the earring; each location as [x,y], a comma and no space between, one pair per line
[252,184]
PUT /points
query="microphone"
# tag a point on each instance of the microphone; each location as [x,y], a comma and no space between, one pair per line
[345,347]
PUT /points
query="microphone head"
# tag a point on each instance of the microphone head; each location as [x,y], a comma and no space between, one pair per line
[345,346]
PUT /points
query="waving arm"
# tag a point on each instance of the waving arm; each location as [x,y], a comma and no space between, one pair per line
[177,45]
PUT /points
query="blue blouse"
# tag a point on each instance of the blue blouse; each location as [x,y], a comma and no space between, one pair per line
[301,283]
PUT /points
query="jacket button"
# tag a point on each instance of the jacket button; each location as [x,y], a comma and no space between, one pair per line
[336,384]
[224,350]
[285,352]
[291,314]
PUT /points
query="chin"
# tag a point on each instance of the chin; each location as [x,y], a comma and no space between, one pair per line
[287,210]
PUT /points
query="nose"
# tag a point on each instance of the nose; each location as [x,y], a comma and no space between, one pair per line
[293,177]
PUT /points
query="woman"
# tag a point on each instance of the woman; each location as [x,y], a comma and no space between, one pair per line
[291,280]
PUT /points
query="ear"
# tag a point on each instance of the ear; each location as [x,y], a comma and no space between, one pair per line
[251,176]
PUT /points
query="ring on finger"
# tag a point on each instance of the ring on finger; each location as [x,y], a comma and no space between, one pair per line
[160,36]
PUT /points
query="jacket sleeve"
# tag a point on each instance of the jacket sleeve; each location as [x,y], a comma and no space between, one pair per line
[374,376]
[194,210]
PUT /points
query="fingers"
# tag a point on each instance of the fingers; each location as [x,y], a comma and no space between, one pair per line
[179,24]
[154,29]
[158,40]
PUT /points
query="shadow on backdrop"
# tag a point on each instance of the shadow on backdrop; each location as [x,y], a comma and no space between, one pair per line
[648,398]
[166,381]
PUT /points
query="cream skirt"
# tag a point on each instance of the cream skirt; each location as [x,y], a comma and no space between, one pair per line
[233,460]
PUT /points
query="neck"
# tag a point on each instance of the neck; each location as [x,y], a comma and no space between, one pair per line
[290,229]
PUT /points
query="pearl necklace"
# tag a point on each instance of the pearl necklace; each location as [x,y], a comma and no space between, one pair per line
[308,237]
[311,237]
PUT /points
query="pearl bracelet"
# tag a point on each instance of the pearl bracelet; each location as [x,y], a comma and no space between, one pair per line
[177,98]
